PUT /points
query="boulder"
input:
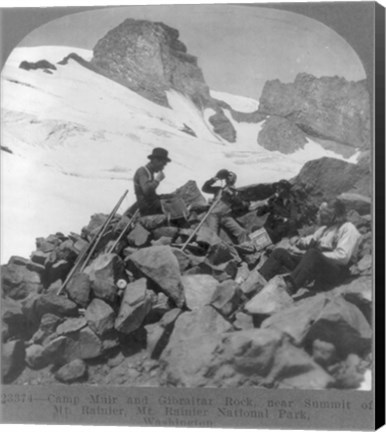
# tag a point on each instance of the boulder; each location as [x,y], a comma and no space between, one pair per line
[79,289]
[254,283]
[342,324]
[198,290]
[281,135]
[48,325]
[12,313]
[57,270]
[53,350]
[220,272]
[207,236]
[271,299]
[136,304]
[35,358]
[153,221]
[159,264]
[73,371]
[221,253]
[71,325]
[103,272]
[243,321]
[157,335]
[100,316]
[17,281]
[293,368]
[12,359]
[297,320]
[56,305]
[191,194]
[165,231]
[39,257]
[355,201]
[226,298]
[84,344]
[138,237]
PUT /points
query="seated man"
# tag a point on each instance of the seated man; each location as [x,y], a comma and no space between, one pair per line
[221,215]
[327,252]
[283,214]
[147,179]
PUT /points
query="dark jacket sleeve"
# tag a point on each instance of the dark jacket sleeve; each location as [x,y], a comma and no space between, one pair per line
[208,188]
[147,185]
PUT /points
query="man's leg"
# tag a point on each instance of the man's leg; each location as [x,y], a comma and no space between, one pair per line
[212,222]
[280,261]
[314,266]
[234,229]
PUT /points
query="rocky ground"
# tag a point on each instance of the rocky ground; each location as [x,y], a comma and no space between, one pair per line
[151,314]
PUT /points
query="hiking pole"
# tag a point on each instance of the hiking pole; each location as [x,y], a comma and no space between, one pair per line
[215,202]
[85,250]
[123,231]
[100,235]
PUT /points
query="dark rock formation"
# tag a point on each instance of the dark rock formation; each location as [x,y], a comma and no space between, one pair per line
[148,58]
[281,134]
[326,178]
[329,108]
[41,64]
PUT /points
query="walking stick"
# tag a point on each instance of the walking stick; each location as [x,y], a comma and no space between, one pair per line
[100,235]
[123,231]
[215,202]
[91,245]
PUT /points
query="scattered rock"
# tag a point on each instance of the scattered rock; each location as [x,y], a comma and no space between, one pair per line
[71,325]
[12,359]
[138,237]
[160,265]
[100,316]
[56,305]
[79,289]
[226,298]
[198,290]
[72,371]
[271,299]
[136,304]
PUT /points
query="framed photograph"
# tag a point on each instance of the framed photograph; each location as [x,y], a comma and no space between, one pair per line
[190,201]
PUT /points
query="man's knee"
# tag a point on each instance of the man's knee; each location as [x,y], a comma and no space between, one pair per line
[279,253]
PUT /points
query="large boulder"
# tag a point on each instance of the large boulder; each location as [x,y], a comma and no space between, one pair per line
[12,359]
[159,264]
[226,298]
[191,194]
[194,332]
[79,289]
[73,371]
[326,178]
[198,290]
[135,305]
[17,281]
[104,272]
[271,299]
[100,316]
[56,305]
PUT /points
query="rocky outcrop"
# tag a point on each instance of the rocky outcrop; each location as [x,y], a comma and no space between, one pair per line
[148,58]
[330,108]
[45,65]
[327,178]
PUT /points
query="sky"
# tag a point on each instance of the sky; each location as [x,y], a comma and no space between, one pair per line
[239,48]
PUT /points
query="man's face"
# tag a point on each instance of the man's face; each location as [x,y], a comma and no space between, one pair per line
[159,164]
[324,216]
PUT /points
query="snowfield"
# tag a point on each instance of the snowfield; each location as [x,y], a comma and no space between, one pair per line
[77,138]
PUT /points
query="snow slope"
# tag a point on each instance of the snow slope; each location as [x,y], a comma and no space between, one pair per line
[77,139]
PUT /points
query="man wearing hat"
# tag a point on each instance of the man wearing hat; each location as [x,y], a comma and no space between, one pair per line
[323,257]
[147,179]
[221,215]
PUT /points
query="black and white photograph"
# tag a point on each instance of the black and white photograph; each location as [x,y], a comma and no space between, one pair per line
[187,220]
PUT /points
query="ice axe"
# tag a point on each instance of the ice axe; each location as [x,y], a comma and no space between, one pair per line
[132,219]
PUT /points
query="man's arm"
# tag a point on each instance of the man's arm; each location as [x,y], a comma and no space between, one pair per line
[209,188]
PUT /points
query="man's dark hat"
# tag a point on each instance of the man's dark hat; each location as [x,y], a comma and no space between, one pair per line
[159,153]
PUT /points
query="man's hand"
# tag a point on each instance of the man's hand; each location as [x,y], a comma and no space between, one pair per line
[159,176]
